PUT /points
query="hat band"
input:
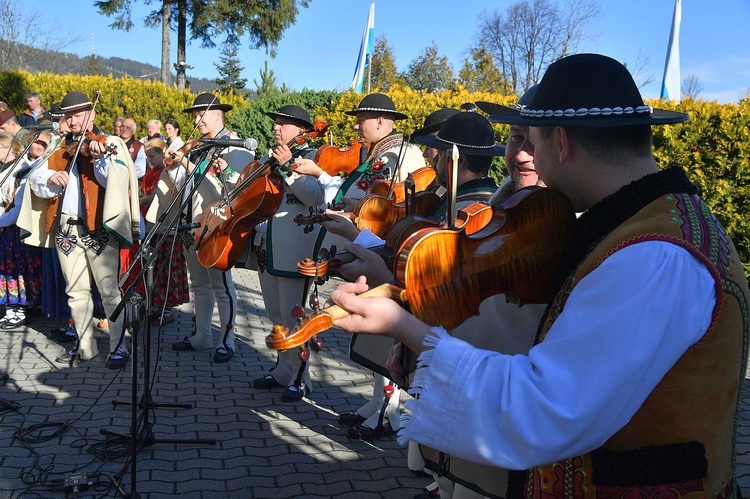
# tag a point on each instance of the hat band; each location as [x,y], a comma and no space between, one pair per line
[468,146]
[295,118]
[376,110]
[75,106]
[594,111]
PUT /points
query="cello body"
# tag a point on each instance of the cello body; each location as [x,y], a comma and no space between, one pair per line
[228,226]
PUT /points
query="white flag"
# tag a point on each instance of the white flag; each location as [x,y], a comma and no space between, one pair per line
[365,50]
[670,87]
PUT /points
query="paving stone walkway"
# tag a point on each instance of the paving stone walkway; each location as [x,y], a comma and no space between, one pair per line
[52,417]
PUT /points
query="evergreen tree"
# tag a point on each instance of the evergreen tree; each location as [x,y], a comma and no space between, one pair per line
[262,22]
[383,66]
[479,73]
[429,71]
[267,85]
[230,71]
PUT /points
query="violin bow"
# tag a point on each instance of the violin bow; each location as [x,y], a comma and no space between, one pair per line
[195,125]
[453,187]
[73,160]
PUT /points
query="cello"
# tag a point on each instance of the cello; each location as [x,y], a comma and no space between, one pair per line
[517,253]
[226,225]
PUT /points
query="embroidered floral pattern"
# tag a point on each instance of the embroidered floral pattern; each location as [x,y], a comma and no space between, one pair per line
[66,240]
[292,199]
[95,241]
[262,255]
[187,238]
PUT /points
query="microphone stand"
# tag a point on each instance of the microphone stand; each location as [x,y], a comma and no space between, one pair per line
[141,316]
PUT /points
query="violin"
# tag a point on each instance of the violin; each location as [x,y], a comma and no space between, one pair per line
[171,157]
[86,140]
[378,212]
[424,179]
[471,219]
[443,274]
[337,160]
[226,225]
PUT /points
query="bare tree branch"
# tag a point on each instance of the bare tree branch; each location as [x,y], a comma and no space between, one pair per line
[532,34]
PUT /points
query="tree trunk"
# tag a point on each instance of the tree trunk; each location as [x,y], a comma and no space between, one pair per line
[181,43]
[166,17]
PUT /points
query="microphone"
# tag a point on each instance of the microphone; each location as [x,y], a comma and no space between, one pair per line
[47,126]
[190,226]
[250,144]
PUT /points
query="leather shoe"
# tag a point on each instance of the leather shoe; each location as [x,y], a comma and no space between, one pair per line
[69,357]
[351,418]
[266,382]
[117,359]
[361,432]
[64,334]
[223,354]
[293,393]
[183,346]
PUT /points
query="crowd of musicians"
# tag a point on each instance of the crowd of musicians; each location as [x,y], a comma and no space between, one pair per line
[580,330]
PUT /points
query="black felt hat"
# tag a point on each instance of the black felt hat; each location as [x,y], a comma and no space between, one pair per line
[377,103]
[434,120]
[588,90]
[293,112]
[54,111]
[491,108]
[207,102]
[75,102]
[471,132]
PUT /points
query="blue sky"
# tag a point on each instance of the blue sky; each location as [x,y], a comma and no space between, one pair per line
[320,50]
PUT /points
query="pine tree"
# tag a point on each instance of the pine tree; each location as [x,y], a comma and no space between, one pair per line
[230,71]
[267,85]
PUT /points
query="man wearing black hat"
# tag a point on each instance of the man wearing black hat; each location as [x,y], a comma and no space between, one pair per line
[211,286]
[632,387]
[92,212]
[390,157]
[280,244]
[475,139]
[501,326]
[432,124]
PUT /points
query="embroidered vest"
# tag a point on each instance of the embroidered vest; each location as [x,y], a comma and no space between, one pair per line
[92,199]
[680,442]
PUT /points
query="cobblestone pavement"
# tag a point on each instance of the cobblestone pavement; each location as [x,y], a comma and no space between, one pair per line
[264,448]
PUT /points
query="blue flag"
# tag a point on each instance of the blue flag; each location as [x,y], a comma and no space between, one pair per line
[365,51]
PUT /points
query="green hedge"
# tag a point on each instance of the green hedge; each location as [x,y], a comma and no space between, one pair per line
[713,146]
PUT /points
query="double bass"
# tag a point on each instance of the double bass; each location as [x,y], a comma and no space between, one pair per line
[226,225]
